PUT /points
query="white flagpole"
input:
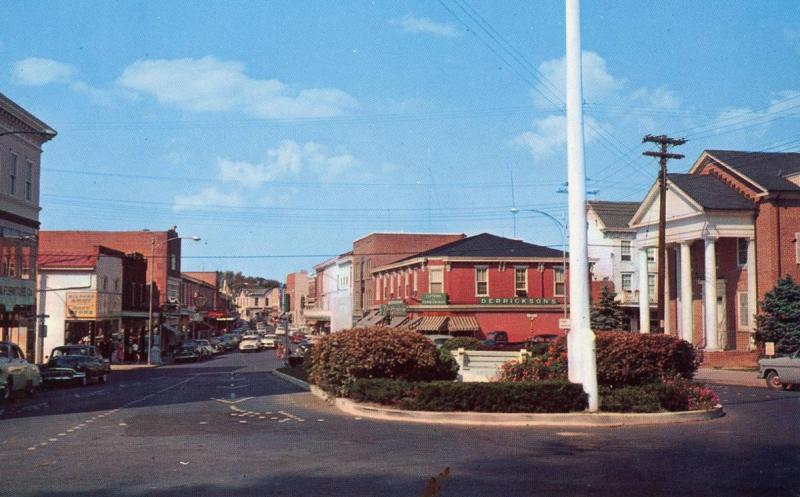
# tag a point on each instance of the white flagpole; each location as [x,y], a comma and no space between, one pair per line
[581,339]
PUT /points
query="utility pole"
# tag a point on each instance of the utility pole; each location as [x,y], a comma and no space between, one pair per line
[664,143]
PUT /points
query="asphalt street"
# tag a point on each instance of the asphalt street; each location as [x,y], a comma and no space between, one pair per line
[228,427]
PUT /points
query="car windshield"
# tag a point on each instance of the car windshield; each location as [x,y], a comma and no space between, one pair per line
[70,351]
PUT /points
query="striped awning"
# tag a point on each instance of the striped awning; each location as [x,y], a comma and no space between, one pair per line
[398,321]
[370,320]
[432,323]
[462,323]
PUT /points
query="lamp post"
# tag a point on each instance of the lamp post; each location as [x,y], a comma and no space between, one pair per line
[152,348]
[563,231]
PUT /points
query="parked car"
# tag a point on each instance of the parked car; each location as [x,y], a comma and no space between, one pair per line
[79,364]
[250,343]
[496,338]
[189,351]
[780,372]
[16,373]
[216,344]
[269,341]
[303,347]
[438,340]
[297,337]
[208,349]
[230,341]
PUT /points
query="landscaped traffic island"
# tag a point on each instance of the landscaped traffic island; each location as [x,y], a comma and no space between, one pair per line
[388,371]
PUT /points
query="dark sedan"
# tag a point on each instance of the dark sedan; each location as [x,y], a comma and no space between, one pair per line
[75,364]
[188,352]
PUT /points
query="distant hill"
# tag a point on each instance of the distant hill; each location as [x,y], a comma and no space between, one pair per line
[237,280]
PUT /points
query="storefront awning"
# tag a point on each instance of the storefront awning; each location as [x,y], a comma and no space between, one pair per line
[370,319]
[461,324]
[398,321]
[317,315]
[432,323]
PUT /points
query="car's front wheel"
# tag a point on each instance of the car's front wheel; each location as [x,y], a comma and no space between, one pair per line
[104,377]
[774,381]
[7,391]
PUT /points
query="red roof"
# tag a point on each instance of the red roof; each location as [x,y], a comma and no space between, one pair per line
[74,259]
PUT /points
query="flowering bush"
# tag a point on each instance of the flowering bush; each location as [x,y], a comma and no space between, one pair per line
[673,395]
[339,359]
[534,369]
[635,358]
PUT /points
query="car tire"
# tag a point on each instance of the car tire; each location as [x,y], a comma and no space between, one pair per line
[103,378]
[774,381]
[83,381]
[30,390]
[8,390]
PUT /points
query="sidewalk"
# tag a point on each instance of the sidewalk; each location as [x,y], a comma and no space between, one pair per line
[730,377]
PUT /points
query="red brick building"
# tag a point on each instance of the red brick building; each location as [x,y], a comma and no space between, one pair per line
[476,285]
[733,224]
[163,259]
[378,249]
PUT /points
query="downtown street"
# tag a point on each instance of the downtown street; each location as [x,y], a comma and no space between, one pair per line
[230,427]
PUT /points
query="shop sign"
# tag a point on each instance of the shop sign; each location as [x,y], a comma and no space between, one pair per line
[216,314]
[394,308]
[81,305]
[93,305]
[14,292]
[517,301]
[434,299]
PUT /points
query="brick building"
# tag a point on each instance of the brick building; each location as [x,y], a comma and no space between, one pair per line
[160,249]
[473,286]
[733,224]
[378,249]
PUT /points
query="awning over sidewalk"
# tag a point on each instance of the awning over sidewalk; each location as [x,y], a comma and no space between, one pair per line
[397,322]
[432,323]
[370,319]
[461,324]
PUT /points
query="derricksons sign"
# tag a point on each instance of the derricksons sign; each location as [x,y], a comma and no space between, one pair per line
[516,301]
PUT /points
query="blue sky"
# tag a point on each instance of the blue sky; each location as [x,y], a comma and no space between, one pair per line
[276,130]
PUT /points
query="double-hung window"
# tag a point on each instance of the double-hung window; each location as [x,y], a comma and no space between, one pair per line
[12,175]
[482,281]
[625,250]
[560,286]
[741,251]
[29,181]
[521,282]
[437,282]
[627,282]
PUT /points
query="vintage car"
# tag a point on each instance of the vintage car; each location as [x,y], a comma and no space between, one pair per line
[16,374]
[780,372]
[75,364]
[189,351]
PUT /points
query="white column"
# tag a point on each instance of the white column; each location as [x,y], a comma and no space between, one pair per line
[710,300]
[751,289]
[644,293]
[686,292]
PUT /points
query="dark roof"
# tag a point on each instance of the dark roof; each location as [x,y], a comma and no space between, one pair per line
[486,245]
[615,215]
[710,192]
[768,169]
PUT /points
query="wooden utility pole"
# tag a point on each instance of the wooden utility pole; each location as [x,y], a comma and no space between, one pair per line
[664,142]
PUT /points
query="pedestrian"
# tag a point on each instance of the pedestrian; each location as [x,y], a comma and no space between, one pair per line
[135,352]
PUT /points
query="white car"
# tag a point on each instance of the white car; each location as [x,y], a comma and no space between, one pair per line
[250,343]
[16,374]
[269,341]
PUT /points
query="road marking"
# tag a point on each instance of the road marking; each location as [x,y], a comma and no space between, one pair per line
[31,448]
[243,421]
[283,420]
[70,430]
[52,440]
[203,422]
[62,434]
[320,419]
[43,444]
[232,401]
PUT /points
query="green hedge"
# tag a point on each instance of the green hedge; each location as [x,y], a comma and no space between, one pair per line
[540,397]
[678,395]
[635,358]
[339,359]
[466,343]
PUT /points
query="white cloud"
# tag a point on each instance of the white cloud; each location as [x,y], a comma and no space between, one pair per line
[287,160]
[412,24]
[35,71]
[549,135]
[207,197]
[597,81]
[213,85]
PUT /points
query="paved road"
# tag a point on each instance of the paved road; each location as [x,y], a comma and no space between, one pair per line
[228,427]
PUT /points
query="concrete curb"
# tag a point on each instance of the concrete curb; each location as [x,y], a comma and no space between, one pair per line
[291,379]
[131,367]
[571,419]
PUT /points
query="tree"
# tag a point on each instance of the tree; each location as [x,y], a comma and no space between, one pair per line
[779,320]
[608,314]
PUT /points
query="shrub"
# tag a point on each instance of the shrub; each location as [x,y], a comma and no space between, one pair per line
[629,399]
[539,349]
[532,369]
[541,397]
[466,343]
[446,366]
[779,319]
[339,359]
[637,359]
[673,395]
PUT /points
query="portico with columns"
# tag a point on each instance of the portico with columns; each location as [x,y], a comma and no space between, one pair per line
[710,290]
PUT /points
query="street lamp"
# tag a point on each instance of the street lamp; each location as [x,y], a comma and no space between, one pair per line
[563,231]
[152,348]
